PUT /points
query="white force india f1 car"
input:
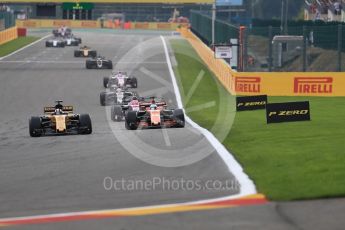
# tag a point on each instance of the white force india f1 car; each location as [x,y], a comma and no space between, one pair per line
[99,63]
[120,79]
[153,114]
[59,120]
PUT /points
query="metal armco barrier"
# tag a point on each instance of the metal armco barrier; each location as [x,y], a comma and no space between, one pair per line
[268,83]
[8,35]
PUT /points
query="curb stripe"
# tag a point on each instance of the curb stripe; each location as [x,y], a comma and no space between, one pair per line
[132,212]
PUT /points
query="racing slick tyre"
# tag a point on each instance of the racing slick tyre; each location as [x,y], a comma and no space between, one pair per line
[47,44]
[62,45]
[102,98]
[179,118]
[76,53]
[105,81]
[34,125]
[131,120]
[85,126]
[134,82]
[88,65]
[93,54]
[110,66]
[116,113]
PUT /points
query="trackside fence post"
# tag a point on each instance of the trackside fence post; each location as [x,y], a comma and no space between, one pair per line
[241,49]
[304,49]
[340,38]
[270,53]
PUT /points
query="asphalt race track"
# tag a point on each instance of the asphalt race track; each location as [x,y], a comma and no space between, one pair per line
[66,173]
[62,174]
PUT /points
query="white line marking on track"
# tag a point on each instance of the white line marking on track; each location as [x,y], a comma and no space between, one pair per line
[247,185]
[166,137]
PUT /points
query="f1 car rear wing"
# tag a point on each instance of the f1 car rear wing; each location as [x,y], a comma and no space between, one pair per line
[51,109]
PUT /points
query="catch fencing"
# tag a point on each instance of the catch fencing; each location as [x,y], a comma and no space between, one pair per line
[272,83]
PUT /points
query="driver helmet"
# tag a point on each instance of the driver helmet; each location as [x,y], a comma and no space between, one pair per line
[153,107]
[134,98]
[118,90]
[58,111]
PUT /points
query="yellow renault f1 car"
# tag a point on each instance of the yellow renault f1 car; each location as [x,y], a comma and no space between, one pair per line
[85,51]
[58,120]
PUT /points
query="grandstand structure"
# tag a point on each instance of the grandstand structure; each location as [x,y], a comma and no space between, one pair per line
[325,10]
[134,10]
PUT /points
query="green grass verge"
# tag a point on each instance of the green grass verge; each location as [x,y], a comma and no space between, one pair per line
[16,44]
[287,161]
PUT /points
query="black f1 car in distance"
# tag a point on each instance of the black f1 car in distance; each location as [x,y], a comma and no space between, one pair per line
[85,52]
[120,79]
[55,43]
[99,63]
[154,115]
[58,120]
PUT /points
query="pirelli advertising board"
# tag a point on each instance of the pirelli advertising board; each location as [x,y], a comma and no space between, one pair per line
[251,102]
[287,112]
[289,84]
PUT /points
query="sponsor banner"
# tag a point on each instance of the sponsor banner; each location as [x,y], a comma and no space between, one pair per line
[289,84]
[89,24]
[251,102]
[245,85]
[42,23]
[287,112]
[141,25]
[58,23]
[313,85]
[164,26]
[29,24]
[223,52]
